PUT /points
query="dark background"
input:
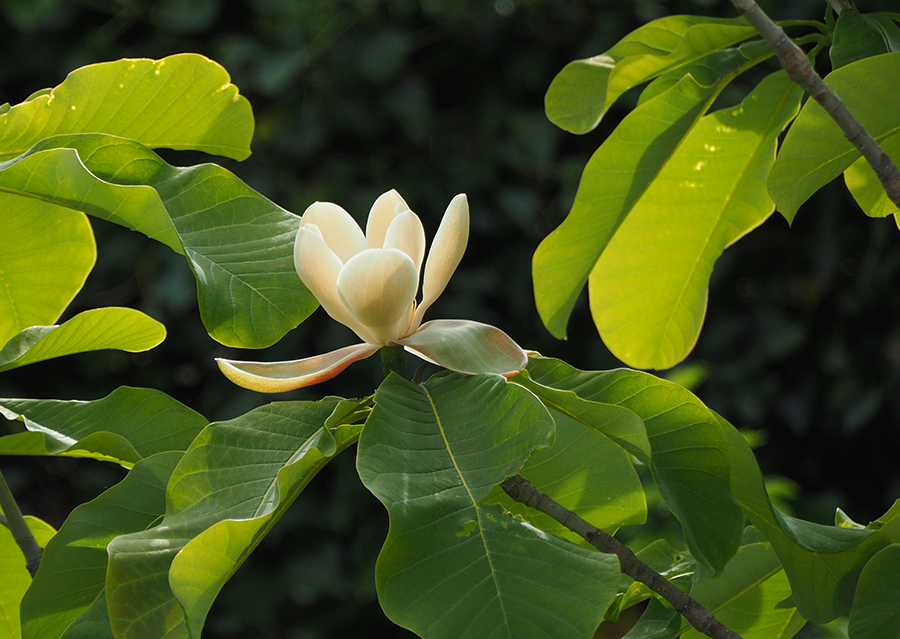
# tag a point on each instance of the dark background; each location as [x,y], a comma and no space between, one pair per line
[433,98]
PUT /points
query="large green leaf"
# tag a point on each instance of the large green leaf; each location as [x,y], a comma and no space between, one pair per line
[876,608]
[866,188]
[61,600]
[238,243]
[45,258]
[14,576]
[232,485]
[126,426]
[452,566]
[100,328]
[613,181]
[815,150]
[689,451]
[857,36]
[584,90]
[184,101]
[649,288]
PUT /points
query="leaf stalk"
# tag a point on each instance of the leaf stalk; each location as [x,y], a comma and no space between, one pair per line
[21,533]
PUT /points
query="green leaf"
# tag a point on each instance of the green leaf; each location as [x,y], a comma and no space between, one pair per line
[232,485]
[14,576]
[182,102]
[815,150]
[649,288]
[45,258]
[72,575]
[876,608]
[97,329]
[238,243]
[126,426]
[689,452]
[857,36]
[866,188]
[613,181]
[584,90]
[822,563]
[451,566]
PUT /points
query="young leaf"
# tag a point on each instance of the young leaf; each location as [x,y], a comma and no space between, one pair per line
[97,329]
[649,288]
[14,576]
[876,609]
[182,102]
[45,258]
[584,90]
[452,566]
[73,568]
[689,454]
[815,150]
[232,485]
[124,427]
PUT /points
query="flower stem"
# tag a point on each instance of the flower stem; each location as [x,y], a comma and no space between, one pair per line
[19,529]
[393,360]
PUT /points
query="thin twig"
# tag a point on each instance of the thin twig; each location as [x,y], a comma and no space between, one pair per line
[20,531]
[800,70]
[521,490]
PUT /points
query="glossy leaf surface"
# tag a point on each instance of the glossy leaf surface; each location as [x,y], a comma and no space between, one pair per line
[452,566]
[184,101]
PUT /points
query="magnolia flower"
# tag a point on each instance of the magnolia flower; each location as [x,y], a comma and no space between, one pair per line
[369,282]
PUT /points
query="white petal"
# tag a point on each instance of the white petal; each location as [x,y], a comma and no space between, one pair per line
[383,211]
[377,287]
[446,252]
[318,268]
[339,230]
[406,234]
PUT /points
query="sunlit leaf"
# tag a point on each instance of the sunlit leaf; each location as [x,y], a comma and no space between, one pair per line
[649,288]
[67,594]
[232,485]
[876,607]
[582,92]
[452,567]
[45,258]
[815,150]
[101,328]
[689,452]
[184,101]
[866,188]
[126,426]
[14,576]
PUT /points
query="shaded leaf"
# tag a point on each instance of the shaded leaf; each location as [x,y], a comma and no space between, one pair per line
[126,426]
[582,92]
[450,566]
[815,150]
[97,329]
[46,256]
[649,288]
[858,35]
[14,576]
[184,101]
[876,608]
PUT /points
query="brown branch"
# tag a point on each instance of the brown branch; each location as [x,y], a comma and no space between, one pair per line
[19,529]
[800,70]
[521,490]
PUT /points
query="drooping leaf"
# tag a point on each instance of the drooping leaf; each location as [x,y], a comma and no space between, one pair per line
[876,608]
[45,258]
[238,243]
[649,288]
[858,35]
[234,482]
[689,451]
[73,568]
[615,178]
[451,566]
[97,329]
[14,576]
[126,426]
[815,150]
[184,101]
[582,92]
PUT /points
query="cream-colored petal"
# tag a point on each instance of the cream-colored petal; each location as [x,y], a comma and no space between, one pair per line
[319,268]
[406,234]
[277,377]
[376,287]
[445,254]
[339,230]
[383,212]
